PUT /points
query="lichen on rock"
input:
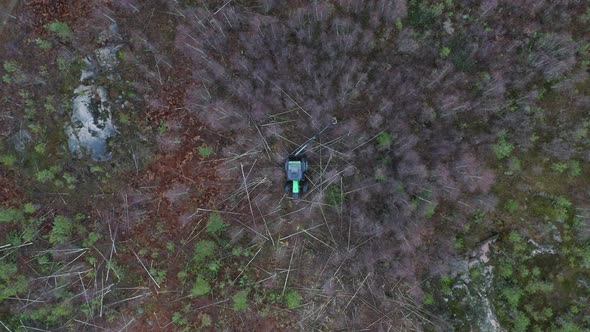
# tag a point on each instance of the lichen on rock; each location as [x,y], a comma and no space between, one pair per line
[91,123]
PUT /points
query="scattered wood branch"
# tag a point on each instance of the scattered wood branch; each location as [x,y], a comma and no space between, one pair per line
[288,270]
[6,327]
[145,268]
[247,192]
[245,267]
[89,324]
[357,290]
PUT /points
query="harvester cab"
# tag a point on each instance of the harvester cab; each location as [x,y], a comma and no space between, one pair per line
[296,166]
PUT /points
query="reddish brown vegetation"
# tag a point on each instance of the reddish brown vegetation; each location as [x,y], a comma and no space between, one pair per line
[9,190]
[47,11]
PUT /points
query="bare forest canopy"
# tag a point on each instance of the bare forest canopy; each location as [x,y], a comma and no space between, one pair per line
[142,146]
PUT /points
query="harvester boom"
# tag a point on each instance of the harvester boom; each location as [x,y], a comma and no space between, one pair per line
[309,141]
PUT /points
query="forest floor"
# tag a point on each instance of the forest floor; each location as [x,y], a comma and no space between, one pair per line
[453,194]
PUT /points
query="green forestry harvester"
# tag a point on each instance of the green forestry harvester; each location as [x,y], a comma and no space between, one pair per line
[296,166]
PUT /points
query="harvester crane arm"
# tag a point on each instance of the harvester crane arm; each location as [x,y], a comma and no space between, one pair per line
[309,141]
